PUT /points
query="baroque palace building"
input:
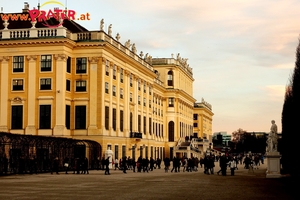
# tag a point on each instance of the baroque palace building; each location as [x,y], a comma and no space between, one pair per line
[203,120]
[66,81]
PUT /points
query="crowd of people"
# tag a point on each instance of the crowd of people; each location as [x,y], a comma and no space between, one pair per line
[176,164]
[184,164]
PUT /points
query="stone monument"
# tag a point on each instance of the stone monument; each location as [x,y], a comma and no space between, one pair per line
[272,154]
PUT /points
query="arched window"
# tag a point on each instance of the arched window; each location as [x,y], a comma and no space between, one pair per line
[170,78]
[171,131]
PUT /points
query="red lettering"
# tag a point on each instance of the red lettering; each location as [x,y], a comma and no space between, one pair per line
[71,14]
[34,14]
[42,16]
[51,14]
[58,13]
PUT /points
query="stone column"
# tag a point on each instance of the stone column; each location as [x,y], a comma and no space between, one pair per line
[4,93]
[32,87]
[93,85]
[60,97]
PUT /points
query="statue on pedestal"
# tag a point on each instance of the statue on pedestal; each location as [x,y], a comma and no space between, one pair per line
[109,154]
[272,138]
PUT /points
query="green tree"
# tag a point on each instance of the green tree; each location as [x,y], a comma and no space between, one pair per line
[290,119]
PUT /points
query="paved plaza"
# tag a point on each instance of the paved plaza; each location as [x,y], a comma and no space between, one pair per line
[153,185]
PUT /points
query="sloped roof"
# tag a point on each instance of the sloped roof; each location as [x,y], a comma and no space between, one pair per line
[71,25]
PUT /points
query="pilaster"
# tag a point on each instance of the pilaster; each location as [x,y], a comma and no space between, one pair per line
[60,105]
[4,93]
[92,127]
[31,103]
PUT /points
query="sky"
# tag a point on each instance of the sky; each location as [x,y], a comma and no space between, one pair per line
[242,52]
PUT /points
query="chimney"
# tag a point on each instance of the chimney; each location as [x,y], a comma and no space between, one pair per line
[26,7]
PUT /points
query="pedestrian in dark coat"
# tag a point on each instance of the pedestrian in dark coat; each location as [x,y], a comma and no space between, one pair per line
[106,166]
[124,163]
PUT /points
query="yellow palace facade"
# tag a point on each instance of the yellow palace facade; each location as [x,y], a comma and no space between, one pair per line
[66,81]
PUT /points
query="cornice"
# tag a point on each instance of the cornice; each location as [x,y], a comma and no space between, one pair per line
[54,41]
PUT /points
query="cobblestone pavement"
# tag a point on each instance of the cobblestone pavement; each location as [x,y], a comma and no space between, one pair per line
[153,185]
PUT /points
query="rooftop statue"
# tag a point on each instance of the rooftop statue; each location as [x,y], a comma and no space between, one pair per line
[109,30]
[101,24]
[133,48]
[127,44]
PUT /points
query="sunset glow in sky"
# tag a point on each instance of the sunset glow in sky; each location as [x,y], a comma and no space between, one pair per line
[242,51]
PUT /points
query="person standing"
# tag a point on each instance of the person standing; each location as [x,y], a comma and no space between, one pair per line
[124,164]
[223,164]
[66,164]
[151,164]
[116,163]
[55,165]
[167,164]
[107,166]
[232,165]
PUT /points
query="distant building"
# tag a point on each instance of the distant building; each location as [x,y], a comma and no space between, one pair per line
[203,120]
[221,141]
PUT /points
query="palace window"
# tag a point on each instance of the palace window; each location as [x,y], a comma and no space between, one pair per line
[81,65]
[145,125]
[106,87]
[106,117]
[170,78]
[17,84]
[17,117]
[115,72]
[45,84]
[139,123]
[121,93]
[68,85]
[80,86]
[46,63]
[80,117]
[139,84]
[45,117]
[130,80]
[69,64]
[114,119]
[114,90]
[121,120]
[18,63]
[107,68]
[121,75]
[171,102]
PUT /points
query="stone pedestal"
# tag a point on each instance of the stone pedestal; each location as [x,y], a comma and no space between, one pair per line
[273,169]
